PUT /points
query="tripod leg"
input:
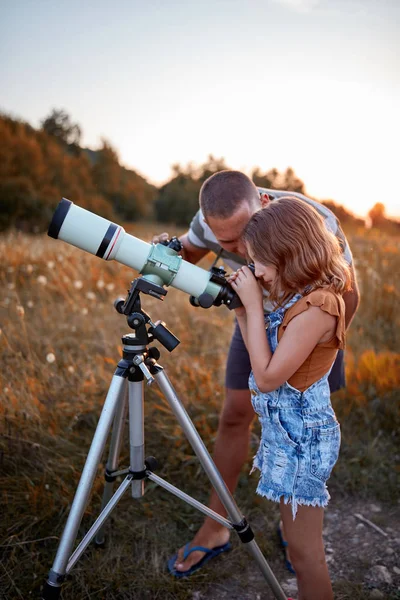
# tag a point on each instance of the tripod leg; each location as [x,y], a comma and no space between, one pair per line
[113,454]
[57,573]
[239,523]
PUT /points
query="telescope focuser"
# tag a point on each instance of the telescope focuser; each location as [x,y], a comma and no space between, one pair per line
[225,296]
[173,243]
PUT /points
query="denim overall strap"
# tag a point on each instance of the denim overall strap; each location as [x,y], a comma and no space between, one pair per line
[274,319]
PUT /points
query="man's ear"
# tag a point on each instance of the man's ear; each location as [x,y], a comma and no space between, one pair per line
[265,200]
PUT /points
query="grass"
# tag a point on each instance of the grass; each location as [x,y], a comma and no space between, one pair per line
[60,342]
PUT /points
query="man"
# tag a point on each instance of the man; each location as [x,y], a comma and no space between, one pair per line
[227,201]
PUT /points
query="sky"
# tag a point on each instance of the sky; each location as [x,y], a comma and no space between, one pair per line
[311,84]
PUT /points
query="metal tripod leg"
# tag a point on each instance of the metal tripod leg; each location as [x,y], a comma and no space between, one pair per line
[68,537]
[241,526]
[113,454]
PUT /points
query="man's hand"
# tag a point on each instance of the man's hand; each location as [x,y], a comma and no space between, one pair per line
[162,237]
[247,288]
[188,252]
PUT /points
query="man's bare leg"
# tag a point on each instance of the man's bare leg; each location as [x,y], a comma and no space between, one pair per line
[230,453]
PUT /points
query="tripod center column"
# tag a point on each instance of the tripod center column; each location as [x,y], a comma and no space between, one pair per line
[136,434]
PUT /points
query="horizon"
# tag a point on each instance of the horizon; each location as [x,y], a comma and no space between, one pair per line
[316,89]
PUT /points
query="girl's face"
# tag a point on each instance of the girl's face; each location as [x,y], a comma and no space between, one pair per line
[265,273]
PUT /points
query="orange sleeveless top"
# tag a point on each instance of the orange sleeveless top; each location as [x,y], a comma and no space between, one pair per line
[321,358]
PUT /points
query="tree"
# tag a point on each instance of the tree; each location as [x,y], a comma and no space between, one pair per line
[275,180]
[377,215]
[21,206]
[178,200]
[58,124]
[267,179]
[37,169]
[291,182]
[211,166]
[106,170]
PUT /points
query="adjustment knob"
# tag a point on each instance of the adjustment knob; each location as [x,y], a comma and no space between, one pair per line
[151,463]
[175,244]
[154,353]
[205,300]
[135,320]
[118,305]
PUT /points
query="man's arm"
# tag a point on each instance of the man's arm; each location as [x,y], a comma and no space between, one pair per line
[189,252]
[351,298]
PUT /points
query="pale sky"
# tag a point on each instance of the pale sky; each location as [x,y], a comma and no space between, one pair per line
[311,84]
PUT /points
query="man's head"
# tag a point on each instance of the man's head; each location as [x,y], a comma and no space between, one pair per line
[228,199]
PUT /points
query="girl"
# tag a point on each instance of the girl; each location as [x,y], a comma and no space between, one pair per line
[292,350]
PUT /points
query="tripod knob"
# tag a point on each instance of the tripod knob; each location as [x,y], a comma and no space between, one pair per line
[135,320]
[154,353]
[151,463]
[118,304]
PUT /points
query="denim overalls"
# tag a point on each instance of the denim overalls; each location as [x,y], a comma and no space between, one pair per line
[300,435]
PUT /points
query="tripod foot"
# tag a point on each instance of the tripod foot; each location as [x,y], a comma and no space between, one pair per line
[50,592]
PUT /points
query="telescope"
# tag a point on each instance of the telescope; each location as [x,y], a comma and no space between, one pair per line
[160,264]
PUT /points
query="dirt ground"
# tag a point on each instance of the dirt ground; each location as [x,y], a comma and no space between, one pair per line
[363,558]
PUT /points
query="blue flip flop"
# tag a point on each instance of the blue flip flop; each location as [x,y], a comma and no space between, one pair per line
[210,553]
[284,545]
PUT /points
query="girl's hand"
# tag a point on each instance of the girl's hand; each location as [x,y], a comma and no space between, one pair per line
[241,311]
[247,288]
[233,276]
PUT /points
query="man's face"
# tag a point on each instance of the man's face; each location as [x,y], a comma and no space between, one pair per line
[228,231]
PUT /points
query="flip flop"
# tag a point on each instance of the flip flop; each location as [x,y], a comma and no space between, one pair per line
[210,553]
[284,545]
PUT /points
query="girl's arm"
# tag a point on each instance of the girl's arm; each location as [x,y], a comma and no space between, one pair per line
[301,336]
[240,313]
[251,320]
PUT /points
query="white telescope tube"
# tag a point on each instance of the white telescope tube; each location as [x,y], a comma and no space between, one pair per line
[105,239]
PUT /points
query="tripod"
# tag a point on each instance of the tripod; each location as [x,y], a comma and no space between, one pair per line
[126,393]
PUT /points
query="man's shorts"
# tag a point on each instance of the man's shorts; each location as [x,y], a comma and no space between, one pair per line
[238,366]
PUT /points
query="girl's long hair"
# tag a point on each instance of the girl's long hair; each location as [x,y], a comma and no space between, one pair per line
[290,235]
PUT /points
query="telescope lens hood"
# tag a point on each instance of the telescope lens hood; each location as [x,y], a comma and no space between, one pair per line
[59,217]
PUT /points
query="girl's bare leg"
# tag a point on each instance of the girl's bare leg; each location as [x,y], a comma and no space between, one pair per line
[307,555]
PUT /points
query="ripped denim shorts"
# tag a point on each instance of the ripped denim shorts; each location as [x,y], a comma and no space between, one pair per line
[299,446]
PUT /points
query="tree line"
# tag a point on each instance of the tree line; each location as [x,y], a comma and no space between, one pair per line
[39,166]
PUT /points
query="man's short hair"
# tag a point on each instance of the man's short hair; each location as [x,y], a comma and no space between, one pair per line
[222,194]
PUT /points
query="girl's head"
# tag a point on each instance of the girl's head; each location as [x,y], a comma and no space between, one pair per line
[295,250]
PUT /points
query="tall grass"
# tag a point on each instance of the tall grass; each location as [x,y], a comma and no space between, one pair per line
[60,341]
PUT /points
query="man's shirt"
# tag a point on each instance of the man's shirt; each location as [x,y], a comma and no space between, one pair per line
[200,234]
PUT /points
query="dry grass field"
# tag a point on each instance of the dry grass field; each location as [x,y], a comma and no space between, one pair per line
[60,342]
